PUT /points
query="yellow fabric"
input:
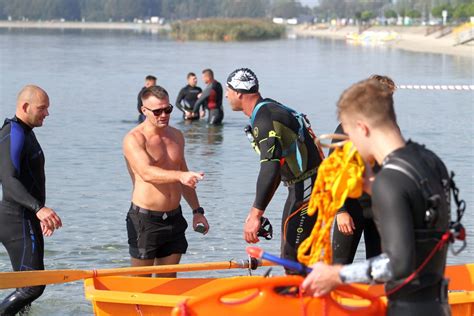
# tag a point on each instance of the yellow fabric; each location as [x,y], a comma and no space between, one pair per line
[339,176]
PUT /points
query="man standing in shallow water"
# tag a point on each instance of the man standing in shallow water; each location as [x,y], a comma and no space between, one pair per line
[154,152]
[285,142]
[24,218]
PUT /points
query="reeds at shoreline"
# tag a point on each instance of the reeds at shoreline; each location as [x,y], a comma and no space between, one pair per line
[226,30]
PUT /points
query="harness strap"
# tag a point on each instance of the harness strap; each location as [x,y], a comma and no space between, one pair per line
[299,117]
[447,236]
[455,231]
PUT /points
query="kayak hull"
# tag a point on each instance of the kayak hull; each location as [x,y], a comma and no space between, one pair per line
[126,295]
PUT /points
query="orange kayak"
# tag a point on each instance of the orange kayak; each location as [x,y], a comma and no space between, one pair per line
[249,295]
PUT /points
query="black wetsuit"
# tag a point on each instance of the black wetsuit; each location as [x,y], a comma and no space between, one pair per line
[186,99]
[400,203]
[276,130]
[23,185]
[211,98]
[141,116]
[344,247]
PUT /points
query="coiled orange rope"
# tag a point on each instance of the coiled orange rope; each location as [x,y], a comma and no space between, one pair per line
[339,176]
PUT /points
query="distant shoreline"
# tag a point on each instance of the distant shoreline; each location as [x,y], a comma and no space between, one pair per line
[83,25]
[410,38]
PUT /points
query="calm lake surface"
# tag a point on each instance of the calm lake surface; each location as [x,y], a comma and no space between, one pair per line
[93,79]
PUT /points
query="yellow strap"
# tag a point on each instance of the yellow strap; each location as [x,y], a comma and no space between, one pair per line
[339,176]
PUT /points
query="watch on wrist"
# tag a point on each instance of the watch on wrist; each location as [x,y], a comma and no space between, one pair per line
[199,210]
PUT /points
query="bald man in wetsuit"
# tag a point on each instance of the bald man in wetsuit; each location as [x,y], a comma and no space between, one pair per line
[24,218]
[411,208]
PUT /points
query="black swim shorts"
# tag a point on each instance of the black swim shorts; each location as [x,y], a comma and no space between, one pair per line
[153,234]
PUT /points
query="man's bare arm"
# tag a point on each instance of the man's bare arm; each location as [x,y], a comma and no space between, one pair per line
[191,197]
[141,163]
[189,193]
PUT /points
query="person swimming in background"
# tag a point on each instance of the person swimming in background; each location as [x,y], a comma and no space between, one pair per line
[210,99]
[187,97]
[149,81]
[355,217]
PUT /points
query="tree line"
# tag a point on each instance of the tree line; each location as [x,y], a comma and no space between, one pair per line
[128,10]
[418,9]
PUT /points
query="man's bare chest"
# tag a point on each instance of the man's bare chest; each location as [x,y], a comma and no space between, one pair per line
[164,151]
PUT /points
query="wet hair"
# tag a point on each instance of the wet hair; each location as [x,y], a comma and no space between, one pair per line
[150,77]
[385,80]
[157,91]
[209,72]
[370,98]
[191,74]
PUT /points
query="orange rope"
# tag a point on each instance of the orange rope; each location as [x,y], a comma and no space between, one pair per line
[339,176]
[285,226]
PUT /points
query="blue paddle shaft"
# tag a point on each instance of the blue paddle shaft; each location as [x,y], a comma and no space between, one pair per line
[289,264]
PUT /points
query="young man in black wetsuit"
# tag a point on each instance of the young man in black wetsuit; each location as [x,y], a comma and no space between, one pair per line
[187,97]
[288,154]
[211,98]
[24,218]
[411,208]
[149,82]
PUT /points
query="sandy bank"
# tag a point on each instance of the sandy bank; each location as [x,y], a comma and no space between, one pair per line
[408,38]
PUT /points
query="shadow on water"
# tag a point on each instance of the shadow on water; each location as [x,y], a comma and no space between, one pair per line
[199,132]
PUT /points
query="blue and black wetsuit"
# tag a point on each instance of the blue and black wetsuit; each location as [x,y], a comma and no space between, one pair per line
[211,98]
[344,247]
[288,154]
[186,99]
[23,186]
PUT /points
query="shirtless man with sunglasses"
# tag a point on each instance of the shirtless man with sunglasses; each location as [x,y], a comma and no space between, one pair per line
[154,152]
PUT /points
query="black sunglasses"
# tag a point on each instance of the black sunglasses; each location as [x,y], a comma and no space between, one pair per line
[158,112]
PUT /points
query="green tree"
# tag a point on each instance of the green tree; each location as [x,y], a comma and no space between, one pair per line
[414,14]
[463,11]
[2,9]
[244,8]
[288,9]
[437,11]
[367,15]
[349,9]
[124,9]
[390,13]
[92,10]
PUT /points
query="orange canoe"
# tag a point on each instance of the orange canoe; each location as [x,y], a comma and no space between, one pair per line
[249,295]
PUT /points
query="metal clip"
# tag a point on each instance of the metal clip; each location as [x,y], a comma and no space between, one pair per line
[457,251]
[458,233]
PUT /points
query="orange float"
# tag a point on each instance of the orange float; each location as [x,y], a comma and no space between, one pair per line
[250,295]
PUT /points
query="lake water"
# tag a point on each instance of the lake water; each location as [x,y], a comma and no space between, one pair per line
[93,79]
